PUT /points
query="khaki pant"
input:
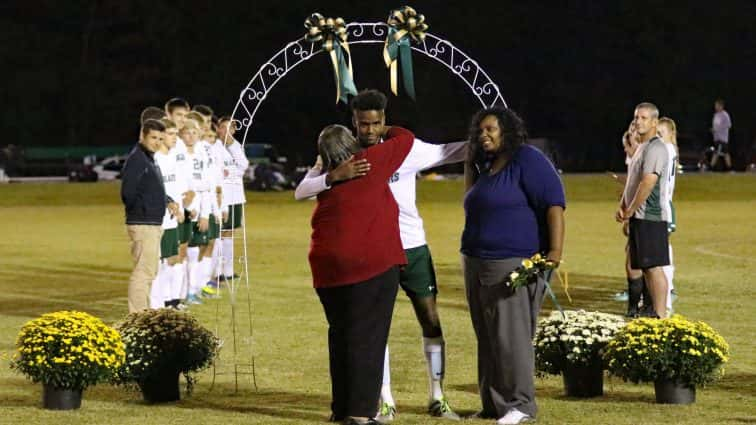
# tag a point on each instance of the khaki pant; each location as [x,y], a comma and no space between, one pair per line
[145,251]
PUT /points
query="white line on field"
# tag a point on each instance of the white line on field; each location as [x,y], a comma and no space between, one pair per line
[702,249]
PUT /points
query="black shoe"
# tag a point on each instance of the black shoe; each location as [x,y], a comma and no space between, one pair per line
[482,415]
[353,421]
[648,311]
[335,418]
[632,313]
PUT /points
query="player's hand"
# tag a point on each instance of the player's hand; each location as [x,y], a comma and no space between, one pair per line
[180,216]
[193,214]
[626,228]
[224,214]
[349,169]
[173,208]
[203,224]
[620,215]
[225,173]
[188,197]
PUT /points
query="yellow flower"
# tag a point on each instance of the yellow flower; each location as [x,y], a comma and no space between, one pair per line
[527,264]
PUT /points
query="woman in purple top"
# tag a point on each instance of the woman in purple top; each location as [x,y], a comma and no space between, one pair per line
[514,208]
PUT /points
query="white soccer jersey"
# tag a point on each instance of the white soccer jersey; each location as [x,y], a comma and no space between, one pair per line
[174,186]
[202,181]
[421,157]
[672,168]
[215,164]
[233,184]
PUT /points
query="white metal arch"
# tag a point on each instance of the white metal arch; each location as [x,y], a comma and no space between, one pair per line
[298,51]
[256,91]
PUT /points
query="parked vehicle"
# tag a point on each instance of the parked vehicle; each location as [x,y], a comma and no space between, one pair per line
[110,167]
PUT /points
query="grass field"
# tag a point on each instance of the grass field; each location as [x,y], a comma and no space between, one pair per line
[64,246]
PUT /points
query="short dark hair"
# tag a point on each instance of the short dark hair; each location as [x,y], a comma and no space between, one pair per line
[176,102]
[720,101]
[369,100]
[203,109]
[513,135]
[152,125]
[151,113]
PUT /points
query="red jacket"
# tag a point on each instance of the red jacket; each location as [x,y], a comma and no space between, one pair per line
[355,226]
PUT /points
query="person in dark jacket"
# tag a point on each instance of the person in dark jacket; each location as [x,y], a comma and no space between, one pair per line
[145,201]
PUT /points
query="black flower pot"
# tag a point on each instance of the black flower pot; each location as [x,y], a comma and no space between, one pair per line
[161,387]
[583,380]
[54,398]
[671,392]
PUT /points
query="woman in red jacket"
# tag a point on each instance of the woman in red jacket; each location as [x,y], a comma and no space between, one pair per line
[355,256]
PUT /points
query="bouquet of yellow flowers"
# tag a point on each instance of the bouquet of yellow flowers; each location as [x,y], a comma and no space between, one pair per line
[68,350]
[529,270]
[647,350]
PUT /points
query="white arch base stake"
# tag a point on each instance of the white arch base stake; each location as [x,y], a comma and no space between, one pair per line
[256,91]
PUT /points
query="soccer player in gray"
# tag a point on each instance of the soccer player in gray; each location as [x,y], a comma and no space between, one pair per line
[645,205]
[418,278]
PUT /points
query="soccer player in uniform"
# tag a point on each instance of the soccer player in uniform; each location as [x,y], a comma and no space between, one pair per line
[720,131]
[418,279]
[645,205]
[168,282]
[200,209]
[176,109]
[220,157]
[233,192]
[668,133]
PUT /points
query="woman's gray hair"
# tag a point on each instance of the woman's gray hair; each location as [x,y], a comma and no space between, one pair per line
[336,145]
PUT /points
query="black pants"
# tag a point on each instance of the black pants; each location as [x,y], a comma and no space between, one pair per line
[359,319]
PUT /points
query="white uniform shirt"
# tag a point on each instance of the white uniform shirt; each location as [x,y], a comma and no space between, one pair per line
[215,163]
[233,184]
[403,185]
[174,186]
[202,181]
[720,126]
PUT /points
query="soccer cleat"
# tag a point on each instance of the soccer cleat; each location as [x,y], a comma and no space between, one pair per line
[386,413]
[441,409]
[193,299]
[514,417]
[209,290]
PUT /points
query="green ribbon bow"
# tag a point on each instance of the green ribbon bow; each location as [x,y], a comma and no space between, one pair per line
[404,24]
[332,33]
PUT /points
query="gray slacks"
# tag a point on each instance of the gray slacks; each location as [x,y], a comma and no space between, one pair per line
[505,322]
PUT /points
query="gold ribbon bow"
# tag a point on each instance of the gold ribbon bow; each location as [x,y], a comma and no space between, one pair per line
[404,24]
[333,35]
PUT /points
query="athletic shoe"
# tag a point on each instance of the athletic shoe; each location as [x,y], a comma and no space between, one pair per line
[352,421]
[193,299]
[441,409]
[620,296]
[213,284]
[209,290]
[223,278]
[514,417]
[181,306]
[386,413]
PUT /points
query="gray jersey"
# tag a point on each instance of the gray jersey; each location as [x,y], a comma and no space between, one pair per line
[652,159]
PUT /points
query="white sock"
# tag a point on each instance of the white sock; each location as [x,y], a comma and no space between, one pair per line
[434,356]
[155,299]
[228,256]
[184,279]
[386,396]
[216,267]
[158,291]
[669,272]
[178,275]
[192,269]
[201,275]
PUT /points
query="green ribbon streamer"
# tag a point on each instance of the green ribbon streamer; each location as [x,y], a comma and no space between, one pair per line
[401,49]
[344,77]
[546,278]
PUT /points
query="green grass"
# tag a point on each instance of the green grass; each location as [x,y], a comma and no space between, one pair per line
[64,247]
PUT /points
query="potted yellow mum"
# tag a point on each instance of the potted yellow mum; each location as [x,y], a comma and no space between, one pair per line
[675,354]
[67,351]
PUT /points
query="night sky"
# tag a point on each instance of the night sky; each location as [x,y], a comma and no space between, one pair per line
[80,72]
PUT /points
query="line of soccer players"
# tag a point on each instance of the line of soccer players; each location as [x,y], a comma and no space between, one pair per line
[202,166]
